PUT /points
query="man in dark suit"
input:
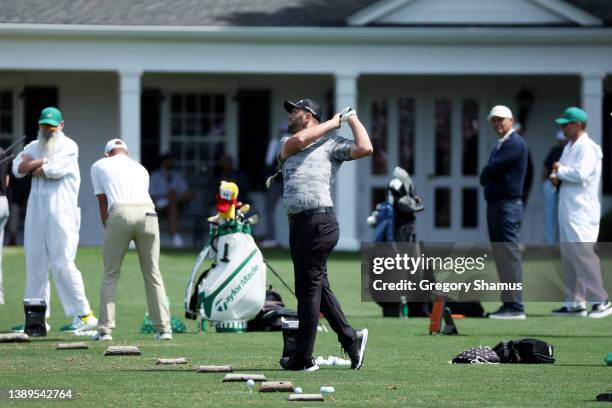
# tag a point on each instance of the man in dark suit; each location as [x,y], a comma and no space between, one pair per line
[503,179]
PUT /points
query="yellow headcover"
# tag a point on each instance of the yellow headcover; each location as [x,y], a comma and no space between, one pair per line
[226,200]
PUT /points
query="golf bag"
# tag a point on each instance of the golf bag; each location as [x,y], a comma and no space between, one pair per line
[233,289]
[394,221]
[271,316]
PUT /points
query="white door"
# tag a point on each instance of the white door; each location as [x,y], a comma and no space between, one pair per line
[437,137]
[453,152]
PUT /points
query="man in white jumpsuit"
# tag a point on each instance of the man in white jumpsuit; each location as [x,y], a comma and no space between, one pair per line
[53,219]
[577,175]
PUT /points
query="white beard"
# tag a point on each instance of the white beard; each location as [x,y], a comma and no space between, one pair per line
[47,147]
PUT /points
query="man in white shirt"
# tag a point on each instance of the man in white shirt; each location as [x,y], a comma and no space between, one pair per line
[127,213]
[170,192]
[577,175]
[4,215]
[53,220]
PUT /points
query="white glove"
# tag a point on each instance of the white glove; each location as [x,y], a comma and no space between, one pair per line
[347,113]
[372,219]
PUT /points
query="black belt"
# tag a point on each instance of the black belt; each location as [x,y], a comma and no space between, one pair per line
[306,213]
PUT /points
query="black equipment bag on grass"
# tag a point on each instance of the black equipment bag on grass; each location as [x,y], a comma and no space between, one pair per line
[525,351]
[477,355]
[271,314]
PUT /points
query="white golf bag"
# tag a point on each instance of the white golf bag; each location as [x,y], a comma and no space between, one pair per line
[233,290]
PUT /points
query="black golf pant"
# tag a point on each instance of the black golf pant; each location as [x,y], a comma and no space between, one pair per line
[312,237]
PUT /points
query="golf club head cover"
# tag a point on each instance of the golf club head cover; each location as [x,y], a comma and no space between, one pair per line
[347,113]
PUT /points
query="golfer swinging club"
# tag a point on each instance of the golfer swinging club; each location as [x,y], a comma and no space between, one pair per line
[309,160]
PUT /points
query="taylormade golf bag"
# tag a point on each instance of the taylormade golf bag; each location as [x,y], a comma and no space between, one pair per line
[233,289]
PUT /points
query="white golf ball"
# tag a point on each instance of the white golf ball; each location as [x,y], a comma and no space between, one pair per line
[327,390]
[250,383]
[297,390]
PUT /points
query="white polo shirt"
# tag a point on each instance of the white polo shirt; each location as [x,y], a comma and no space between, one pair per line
[122,179]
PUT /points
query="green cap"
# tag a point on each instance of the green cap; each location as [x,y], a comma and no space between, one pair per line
[572,114]
[50,116]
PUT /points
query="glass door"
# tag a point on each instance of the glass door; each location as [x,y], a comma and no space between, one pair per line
[438,139]
[455,207]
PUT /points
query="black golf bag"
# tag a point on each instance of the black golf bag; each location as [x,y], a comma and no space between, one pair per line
[394,221]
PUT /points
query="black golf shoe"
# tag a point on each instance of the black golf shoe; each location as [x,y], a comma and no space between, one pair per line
[356,349]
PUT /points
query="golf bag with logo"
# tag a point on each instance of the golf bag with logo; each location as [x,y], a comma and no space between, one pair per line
[233,290]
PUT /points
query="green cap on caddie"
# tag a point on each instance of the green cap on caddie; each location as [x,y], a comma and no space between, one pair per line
[50,116]
[572,114]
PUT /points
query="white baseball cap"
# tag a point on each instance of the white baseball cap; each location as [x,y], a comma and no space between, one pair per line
[113,144]
[500,111]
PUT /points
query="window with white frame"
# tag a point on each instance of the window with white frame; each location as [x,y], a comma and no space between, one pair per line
[197,131]
[6,118]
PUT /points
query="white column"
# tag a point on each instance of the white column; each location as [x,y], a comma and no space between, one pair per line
[129,110]
[347,199]
[592,102]
[591,98]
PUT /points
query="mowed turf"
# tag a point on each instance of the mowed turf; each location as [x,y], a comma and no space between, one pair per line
[404,366]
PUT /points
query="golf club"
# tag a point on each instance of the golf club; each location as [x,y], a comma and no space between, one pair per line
[11,147]
[279,278]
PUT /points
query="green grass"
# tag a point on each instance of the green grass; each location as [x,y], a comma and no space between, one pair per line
[404,366]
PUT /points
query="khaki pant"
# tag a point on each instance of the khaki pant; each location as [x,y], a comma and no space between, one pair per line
[136,222]
[4,215]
